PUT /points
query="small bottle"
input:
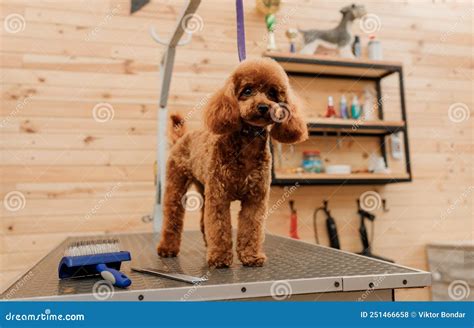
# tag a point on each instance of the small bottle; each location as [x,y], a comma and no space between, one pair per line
[355,108]
[396,145]
[356,47]
[375,49]
[292,35]
[343,107]
[330,112]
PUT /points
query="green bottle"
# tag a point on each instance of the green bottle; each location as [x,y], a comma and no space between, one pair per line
[355,108]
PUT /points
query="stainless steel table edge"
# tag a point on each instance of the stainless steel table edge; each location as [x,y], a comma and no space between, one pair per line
[214,292]
[388,281]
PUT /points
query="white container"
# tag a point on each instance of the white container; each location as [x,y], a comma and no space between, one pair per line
[375,49]
[396,146]
[338,169]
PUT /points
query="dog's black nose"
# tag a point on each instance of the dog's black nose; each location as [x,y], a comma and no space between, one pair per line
[263,108]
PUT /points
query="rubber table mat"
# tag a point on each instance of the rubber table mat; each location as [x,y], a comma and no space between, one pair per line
[298,266]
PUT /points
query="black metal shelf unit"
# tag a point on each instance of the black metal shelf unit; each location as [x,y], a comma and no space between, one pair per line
[337,181]
[336,129]
[323,67]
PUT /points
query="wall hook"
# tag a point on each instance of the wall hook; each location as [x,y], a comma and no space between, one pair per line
[159,40]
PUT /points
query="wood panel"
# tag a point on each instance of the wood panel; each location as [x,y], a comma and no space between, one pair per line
[65,163]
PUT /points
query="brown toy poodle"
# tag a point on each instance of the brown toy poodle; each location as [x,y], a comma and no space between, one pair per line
[231,161]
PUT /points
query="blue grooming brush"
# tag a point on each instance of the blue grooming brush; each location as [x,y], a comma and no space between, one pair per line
[93,258]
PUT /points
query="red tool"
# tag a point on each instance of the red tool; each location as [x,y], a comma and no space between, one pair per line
[293,221]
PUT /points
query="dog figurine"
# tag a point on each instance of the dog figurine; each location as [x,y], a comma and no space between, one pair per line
[339,37]
[231,160]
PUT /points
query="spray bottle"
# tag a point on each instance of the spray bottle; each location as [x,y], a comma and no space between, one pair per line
[355,108]
[343,107]
[330,112]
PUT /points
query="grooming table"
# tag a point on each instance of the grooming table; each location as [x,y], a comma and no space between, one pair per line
[294,270]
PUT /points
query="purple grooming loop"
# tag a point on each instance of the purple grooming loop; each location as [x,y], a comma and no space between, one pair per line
[240,29]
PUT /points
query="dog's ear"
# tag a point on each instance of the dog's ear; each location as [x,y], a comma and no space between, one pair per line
[293,128]
[222,114]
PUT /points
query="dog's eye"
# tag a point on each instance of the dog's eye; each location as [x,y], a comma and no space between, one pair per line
[247,91]
[273,94]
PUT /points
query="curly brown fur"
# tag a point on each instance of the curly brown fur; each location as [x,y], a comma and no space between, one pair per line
[176,128]
[231,161]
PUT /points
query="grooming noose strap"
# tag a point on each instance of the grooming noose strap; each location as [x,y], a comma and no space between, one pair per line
[240,29]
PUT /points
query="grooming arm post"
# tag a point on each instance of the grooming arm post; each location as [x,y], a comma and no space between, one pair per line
[166,69]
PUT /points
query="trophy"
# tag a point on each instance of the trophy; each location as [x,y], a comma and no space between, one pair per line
[270,21]
[292,35]
[269,8]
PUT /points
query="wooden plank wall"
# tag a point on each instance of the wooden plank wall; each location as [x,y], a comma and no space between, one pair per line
[81,176]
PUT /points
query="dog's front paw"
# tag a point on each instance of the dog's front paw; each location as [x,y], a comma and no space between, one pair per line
[219,259]
[167,250]
[252,259]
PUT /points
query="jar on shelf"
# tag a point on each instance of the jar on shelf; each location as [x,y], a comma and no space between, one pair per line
[312,162]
